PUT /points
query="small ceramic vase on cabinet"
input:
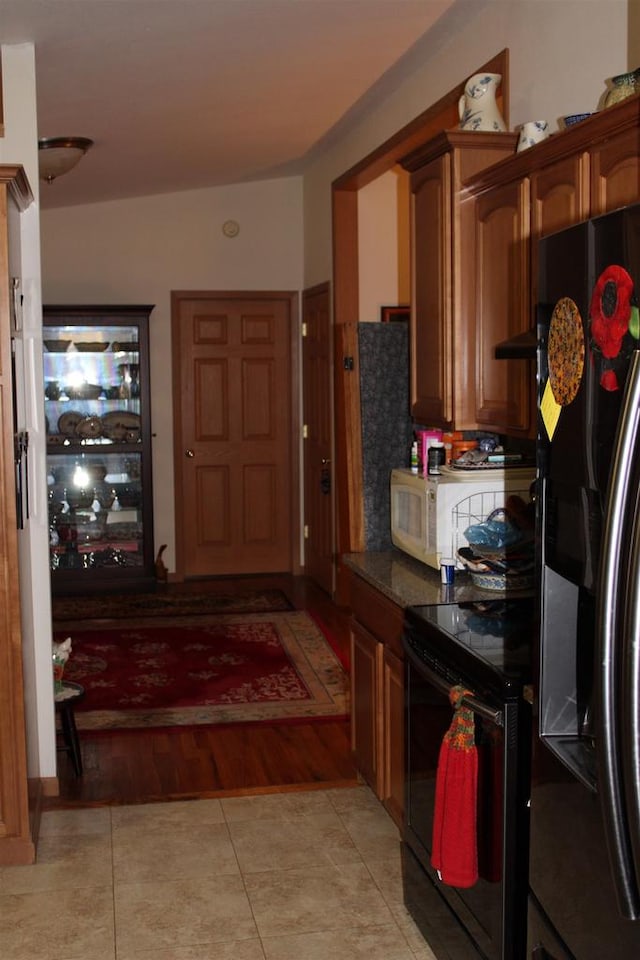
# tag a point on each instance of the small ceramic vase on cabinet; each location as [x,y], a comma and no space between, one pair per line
[623,86]
[477,107]
[532,132]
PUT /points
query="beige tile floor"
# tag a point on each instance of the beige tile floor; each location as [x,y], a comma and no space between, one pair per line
[294,876]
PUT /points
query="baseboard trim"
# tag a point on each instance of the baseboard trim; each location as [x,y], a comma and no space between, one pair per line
[50,786]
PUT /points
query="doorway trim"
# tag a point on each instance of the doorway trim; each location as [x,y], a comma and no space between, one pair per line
[442,115]
[294,414]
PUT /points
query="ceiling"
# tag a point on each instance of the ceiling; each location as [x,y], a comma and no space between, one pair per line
[181,94]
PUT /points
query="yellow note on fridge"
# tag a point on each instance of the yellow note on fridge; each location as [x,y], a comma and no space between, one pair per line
[550,410]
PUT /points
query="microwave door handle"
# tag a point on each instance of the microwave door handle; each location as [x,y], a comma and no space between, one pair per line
[477,706]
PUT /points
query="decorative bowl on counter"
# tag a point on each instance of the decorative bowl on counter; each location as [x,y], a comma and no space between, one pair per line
[503,581]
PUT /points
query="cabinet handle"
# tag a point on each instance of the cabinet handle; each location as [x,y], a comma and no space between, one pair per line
[189,453]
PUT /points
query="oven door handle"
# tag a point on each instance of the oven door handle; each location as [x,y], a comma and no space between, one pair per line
[477,706]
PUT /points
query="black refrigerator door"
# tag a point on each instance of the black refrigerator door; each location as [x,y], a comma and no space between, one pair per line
[585,791]
[574,452]
[573,911]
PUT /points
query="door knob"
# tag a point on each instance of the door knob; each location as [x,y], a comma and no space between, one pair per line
[189,453]
[325,462]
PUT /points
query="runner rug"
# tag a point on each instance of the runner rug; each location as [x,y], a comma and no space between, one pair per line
[219,669]
[110,606]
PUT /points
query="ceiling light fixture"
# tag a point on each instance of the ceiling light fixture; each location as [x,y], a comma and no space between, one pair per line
[58,155]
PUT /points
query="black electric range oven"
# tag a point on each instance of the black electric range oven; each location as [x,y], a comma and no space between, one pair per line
[486,647]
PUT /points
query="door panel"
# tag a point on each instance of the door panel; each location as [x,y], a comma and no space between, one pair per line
[235,474]
[318,473]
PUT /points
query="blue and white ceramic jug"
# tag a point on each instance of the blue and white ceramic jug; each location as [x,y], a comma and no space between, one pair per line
[477,107]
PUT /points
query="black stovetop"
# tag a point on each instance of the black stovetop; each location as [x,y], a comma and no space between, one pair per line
[487,639]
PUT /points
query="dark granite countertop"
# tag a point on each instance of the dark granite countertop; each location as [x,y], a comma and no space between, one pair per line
[408,582]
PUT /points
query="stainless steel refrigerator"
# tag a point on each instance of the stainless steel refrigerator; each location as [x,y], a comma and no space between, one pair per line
[585,795]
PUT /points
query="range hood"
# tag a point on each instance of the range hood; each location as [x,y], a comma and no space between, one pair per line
[521,347]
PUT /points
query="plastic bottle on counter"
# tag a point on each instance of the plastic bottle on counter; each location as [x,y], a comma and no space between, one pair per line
[414,456]
[425,439]
[435,458]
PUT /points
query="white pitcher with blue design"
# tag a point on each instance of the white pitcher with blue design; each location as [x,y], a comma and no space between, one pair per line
[477,106]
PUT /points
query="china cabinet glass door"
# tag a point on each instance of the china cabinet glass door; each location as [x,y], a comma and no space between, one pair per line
[98,444]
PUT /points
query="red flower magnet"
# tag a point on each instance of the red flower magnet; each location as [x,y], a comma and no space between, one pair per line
[610,310]
[615,325]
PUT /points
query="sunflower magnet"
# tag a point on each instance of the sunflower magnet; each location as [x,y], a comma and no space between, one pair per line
[566,351]
[565,355]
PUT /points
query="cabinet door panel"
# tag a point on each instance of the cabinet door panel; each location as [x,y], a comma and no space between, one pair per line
[559,198]
[615,172]
[366,712]
[559,195]
[393,779]
[502,307]
[431,321]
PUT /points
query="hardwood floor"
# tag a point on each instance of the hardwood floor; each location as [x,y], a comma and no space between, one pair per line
[153,765]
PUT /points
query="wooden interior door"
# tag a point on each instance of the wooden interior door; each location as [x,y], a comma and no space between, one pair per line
[235,473]
[317,419]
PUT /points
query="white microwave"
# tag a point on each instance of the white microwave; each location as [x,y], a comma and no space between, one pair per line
[430,514]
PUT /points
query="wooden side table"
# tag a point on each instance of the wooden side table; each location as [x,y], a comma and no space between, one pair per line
[65,700]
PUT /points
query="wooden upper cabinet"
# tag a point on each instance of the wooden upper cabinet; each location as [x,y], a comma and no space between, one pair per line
[588,170]
[439,346]
[559,198]
[559,195]
[615,171]
[501,295]
[431,389]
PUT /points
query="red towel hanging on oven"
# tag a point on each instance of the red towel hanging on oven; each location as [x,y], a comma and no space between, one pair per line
[454,851]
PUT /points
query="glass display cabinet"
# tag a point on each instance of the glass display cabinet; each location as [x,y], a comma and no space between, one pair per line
[96,372]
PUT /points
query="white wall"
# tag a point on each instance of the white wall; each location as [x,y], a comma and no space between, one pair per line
[138,251]
[560,52]
[19,145]
[383,243]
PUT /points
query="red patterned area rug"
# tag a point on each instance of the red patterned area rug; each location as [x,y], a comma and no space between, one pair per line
[219,669]
[119,607]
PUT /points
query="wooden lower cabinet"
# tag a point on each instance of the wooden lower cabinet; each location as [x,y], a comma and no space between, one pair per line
[377,694]
[366,696]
